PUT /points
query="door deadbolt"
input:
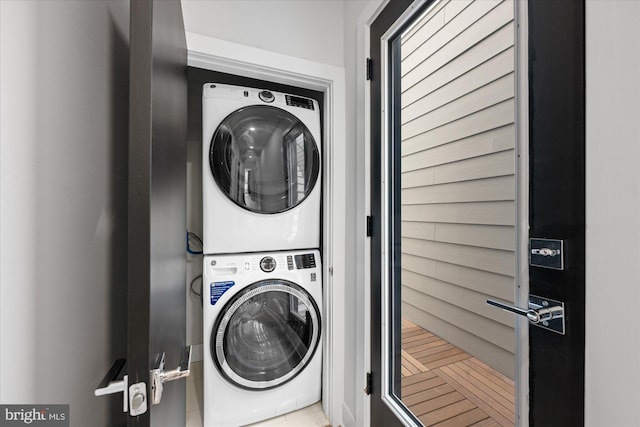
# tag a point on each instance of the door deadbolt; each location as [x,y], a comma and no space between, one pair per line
[545,252]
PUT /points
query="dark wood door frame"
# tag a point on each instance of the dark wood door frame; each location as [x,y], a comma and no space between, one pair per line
[556,205]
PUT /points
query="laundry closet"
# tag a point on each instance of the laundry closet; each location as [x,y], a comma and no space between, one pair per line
[256,205]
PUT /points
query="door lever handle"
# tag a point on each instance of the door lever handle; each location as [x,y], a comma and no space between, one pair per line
[115,381]
[529,314]
[159,376]
[543,312]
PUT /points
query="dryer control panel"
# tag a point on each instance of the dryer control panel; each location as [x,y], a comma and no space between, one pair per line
[301,261]
[297,101]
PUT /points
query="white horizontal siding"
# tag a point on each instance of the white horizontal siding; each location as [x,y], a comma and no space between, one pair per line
[485,73]
[484,236]
[472,102]
[491,141]
[479,190]
[429,23]
[430,43]
[488,213]
[438,14]
[458,175]
[465,61]
[485,120]
[488,166]
[474,34]
[462,298]
[478,280]
[486,259]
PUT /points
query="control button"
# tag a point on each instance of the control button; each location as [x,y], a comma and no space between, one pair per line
[267,264]
[266,96]
[247,265]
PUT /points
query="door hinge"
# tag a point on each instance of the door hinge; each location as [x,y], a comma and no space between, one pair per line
[369,68]
[367,388]
[369,226]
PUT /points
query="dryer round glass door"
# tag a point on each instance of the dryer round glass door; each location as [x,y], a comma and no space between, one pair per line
[266,334]
[264,159]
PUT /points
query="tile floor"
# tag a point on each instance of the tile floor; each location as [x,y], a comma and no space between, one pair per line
[311,416]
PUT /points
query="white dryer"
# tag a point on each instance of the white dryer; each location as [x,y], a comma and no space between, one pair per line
[261,170]
[262,327]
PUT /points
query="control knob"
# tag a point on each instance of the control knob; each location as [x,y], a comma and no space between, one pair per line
[266,96]
[267,264]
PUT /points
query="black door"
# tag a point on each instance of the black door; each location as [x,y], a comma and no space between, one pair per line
[555,204]
[157,203]
[381,414]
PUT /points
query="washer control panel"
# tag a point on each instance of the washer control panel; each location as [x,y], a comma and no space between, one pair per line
[301,261]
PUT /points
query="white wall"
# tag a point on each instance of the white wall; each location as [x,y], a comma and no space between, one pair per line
[309,29]
[613,214]
[63,190]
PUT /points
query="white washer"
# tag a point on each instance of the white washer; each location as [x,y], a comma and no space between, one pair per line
[261,170]
[262,326]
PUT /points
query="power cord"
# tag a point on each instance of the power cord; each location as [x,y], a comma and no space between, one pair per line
[193,238]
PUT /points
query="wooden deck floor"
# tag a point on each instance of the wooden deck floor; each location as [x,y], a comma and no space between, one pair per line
[444,386]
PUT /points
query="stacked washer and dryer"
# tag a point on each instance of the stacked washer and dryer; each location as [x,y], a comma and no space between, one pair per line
[262,273]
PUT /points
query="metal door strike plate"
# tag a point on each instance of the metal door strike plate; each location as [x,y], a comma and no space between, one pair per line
[546,253]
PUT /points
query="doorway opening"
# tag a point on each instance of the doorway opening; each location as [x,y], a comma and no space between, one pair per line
[451,214]
[208,53]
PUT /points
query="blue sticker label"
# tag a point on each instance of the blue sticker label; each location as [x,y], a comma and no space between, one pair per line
[218,289]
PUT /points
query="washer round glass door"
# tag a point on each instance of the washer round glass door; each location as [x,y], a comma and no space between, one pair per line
[264,159]
[266,334]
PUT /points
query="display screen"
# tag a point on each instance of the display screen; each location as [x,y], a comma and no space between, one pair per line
[305,261]
[296,101]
